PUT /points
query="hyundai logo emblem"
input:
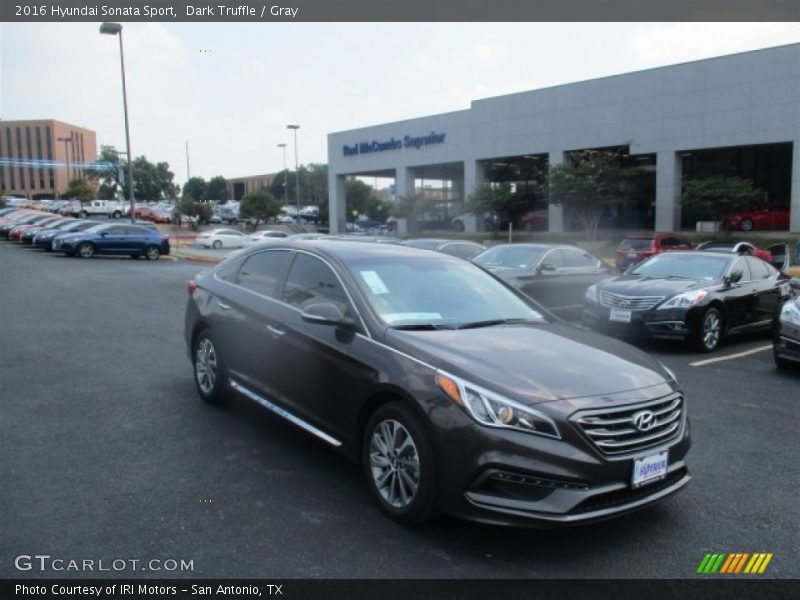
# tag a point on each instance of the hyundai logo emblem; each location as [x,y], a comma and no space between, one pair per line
[644,420]
[624,303]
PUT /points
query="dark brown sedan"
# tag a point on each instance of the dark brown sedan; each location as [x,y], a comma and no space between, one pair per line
[452,389]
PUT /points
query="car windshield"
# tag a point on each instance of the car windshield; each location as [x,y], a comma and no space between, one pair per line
[687,266]
[427,244]
[719,246]
[636,244]
[420,292]
[512,256]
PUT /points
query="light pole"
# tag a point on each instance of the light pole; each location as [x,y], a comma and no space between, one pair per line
[285,176]
[67,140]
[296,169]
[116,29]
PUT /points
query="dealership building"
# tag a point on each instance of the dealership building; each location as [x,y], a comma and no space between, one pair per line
[732,115]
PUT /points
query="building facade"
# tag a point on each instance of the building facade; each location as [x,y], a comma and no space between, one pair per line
[736,114]
[39,158]
[238,187]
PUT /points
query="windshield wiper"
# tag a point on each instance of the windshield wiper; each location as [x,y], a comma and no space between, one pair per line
[493,322]
[419,327]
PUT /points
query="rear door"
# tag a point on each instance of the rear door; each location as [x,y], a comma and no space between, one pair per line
[780,256]
[113,240]
[765,288]
[739,298]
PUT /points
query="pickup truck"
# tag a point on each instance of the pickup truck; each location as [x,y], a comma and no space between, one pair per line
[95,208]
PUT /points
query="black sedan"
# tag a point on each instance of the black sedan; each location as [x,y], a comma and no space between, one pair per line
[556,276]
[695,296]
[44,237]
[786,345]
[451,387]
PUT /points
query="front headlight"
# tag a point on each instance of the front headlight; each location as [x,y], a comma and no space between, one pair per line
[684,300]
[494,410]
[790,314]
[592,295]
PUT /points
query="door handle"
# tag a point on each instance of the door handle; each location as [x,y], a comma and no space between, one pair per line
[275,331]
[223,306]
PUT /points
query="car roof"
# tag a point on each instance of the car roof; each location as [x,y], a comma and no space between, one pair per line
[346,250]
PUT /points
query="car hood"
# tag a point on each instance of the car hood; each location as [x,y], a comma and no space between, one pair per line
[534,363]
[636,285]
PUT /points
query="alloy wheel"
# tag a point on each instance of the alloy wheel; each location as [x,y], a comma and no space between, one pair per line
[205,365]
[712,329]
[152,253]
[394,463]
[86,251]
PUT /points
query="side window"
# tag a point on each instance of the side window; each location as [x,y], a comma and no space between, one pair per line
[759,269]
[116,230]
[554,257]
[741,264]
[311,281]
[261,272]
[135,230]
[578,259]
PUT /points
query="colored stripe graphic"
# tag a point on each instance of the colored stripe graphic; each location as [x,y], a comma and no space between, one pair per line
[733,563]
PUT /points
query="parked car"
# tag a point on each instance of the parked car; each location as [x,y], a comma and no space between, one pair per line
[454,391]
[133,240]
[556,276]
[160,216]
[786,344]
[777,255]
[222,238]
[635,248]
[459,248]
[266,235]
[22,219]
[26,237]
[535,220]
[45,237]
[699,297]
[15,233]
[765,218]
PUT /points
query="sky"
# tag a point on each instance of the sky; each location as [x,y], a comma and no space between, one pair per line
[230,89]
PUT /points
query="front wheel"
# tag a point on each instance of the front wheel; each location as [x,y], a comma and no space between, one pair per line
[152,253]
[709,331]
[746,225]
[209,369]
[216,245]
[86,250]
[399,464]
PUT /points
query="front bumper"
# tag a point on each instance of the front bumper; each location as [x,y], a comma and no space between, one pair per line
[667,324]
[786,344]
[509,477]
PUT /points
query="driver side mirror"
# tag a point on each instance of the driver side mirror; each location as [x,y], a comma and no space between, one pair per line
[546,268]
[327,313]
[734,277]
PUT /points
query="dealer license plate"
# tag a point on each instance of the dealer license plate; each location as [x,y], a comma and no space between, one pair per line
[618,314]
[648,469]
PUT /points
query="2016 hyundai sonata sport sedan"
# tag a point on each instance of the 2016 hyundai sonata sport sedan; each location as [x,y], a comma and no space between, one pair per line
[457,393]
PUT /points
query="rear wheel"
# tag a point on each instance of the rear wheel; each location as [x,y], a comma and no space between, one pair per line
[152,253]
[399,464]
[210,375]
[83,214]
[709,331]
[86,250]
[216,245]
[746,225]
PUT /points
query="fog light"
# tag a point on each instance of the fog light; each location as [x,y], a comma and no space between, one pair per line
[506,415]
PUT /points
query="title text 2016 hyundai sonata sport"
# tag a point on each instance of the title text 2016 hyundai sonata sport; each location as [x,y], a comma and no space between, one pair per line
[457,393]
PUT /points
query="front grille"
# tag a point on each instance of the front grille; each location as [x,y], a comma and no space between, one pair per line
[629,302]
[613,432]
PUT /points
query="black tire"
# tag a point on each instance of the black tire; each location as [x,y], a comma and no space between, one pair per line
[116,214]
[83,214]
[421,506]
[746,225]
[213,390]
[85,250]
[152,253]
[216,245]
[782,363]
[709,331]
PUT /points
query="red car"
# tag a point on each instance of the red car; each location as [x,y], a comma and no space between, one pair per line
[765,218]
[635,248]
[15,232]
[535,220]
[159,216]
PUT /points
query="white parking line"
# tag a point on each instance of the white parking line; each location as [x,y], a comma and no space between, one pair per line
[708,361]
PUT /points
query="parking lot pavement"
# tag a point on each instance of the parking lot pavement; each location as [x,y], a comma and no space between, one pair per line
[108,453]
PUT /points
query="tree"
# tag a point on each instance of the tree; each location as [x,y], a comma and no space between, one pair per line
[79,189]
[217,189]
[195,188]
[259,205]
[199,212]
[497,199]
[589,183]
[719,196]
[106,170]
[151,181]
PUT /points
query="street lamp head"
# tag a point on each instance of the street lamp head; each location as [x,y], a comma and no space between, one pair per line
[293,127]
[110,28]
